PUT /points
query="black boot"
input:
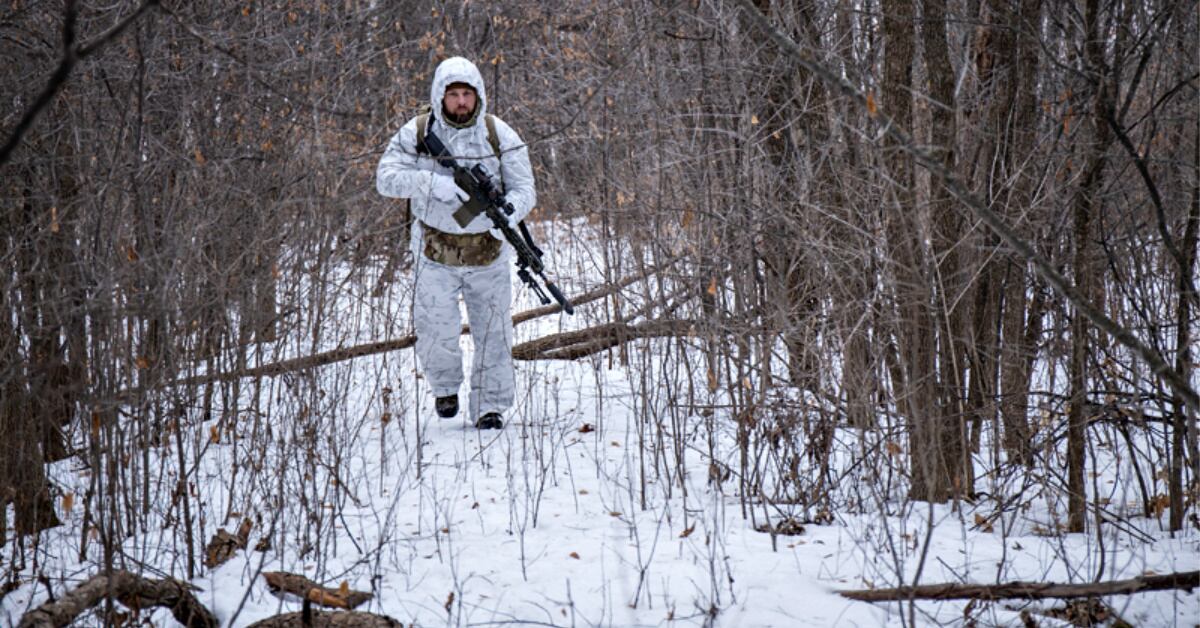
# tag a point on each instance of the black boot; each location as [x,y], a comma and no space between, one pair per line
[446,406]
[489,421]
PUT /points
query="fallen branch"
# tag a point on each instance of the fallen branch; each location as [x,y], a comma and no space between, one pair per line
[342,597]
[129,589]
[1028,590]
[327,619]
[373,348]
[576,344]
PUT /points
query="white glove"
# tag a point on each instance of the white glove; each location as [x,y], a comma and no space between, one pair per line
[513,222]
[444,189]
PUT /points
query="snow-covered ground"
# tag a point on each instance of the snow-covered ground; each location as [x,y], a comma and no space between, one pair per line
[596,505]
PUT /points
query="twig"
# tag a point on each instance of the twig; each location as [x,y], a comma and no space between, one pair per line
[72,53]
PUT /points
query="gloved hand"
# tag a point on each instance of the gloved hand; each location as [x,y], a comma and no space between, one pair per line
[513,222]
[445,190]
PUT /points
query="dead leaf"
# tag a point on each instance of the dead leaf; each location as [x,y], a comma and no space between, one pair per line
[687,532]
[587,429]
[574,555]
[68,502]
[872,109]
[214,435]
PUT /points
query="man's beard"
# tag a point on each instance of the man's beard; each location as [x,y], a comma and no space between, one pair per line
[458,119]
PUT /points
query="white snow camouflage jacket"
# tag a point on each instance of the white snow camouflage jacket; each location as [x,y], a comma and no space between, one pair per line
[402,173]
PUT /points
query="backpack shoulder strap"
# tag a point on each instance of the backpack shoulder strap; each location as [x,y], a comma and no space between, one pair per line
[422,124]
[493,139]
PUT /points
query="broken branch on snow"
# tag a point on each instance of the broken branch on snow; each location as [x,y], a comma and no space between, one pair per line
[342,597]
[129,589]
[1028,590]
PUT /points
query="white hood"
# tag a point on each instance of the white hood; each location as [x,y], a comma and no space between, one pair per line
[404,173]
[457,70]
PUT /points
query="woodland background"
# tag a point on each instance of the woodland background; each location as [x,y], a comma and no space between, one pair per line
[199,174]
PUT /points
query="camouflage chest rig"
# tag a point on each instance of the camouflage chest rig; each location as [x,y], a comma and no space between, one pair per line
[468,249]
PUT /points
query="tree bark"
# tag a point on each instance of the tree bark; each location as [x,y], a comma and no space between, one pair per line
[326,619]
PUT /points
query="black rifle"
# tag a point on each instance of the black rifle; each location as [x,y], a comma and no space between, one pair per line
[476,182]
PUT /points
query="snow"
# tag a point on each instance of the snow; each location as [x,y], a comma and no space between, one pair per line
[547,522]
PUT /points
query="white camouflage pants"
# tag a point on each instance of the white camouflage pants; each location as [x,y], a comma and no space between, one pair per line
[487,291]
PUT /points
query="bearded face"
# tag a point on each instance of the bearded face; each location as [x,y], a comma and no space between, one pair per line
[458,105]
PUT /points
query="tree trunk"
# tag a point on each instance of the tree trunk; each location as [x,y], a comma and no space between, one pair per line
[917,389]
[947,225]
[1020,316]
[1087,271]
[1183,355]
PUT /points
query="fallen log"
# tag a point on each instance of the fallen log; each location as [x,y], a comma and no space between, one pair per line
[342,597]
[129,589]
[327,619]
[572,345]
[384,346]
[1028,590]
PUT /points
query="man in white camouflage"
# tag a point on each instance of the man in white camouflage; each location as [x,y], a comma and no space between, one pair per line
[452,260]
